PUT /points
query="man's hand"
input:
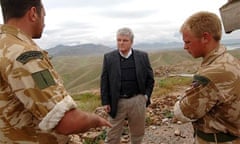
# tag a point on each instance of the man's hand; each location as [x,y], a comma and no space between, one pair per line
[107,108]
[77,121]
[103,122]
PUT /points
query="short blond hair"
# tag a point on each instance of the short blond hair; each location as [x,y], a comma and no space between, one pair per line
[204,21]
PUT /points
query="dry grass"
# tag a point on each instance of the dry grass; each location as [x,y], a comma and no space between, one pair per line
[90,101]
[169,84]
[87,101]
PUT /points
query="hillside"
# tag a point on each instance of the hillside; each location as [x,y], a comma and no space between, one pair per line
[79,72]
[78,50]
[83,72]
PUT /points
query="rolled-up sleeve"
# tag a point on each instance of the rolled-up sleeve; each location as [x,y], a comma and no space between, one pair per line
[39,88]
[56,114]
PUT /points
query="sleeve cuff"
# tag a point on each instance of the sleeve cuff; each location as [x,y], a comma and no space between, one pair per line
[179,114]
[55,115]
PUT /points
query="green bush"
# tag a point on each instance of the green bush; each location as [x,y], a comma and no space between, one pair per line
[98,139]
[87,101]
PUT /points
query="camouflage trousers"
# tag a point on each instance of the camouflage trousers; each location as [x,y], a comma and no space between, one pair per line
[199,140]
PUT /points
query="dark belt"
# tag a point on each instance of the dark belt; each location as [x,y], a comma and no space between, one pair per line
[220,137]
[127,96]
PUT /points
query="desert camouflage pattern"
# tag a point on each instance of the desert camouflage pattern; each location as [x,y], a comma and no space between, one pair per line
[212,103]
[201,141]
[32,96]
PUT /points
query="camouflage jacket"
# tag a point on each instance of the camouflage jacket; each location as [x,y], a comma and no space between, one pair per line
[32,96]
[212,103]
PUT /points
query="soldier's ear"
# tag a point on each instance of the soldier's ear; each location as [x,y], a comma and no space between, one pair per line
[205,37]
[32,14]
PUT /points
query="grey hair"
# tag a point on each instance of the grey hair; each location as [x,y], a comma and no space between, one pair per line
[126,32]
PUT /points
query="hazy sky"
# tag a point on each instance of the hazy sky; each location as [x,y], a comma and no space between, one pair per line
[72,22]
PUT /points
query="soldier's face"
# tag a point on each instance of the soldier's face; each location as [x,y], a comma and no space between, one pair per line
[40,24]
[193,44]
[124,43]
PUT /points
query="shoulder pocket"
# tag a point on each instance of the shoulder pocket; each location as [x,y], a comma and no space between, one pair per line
[43,79]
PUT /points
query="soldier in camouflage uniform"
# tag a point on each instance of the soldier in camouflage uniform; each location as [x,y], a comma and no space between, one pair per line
[34,105]
[212,103]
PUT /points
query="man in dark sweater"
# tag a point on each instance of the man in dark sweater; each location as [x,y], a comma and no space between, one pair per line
[126,86]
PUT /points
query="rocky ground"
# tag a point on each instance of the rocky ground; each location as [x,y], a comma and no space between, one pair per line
[164,129]
[169,134]
[160,126]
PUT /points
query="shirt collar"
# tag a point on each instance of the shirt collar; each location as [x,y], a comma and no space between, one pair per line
[126,56]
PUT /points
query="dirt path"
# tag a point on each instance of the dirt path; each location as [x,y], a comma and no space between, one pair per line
[169,134]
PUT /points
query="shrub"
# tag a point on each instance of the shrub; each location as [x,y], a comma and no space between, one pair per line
[87,101]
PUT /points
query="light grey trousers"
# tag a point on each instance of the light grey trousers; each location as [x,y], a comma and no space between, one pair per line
[134,110]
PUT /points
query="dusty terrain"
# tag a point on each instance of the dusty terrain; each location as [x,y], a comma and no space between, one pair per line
[165,130]
[160,126]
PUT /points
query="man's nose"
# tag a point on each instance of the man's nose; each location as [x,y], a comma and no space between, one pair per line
[185,47]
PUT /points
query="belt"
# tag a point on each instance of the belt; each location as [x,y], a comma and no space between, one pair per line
[215,137]
[127,96]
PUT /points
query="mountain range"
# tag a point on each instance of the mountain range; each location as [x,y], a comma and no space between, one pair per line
[80,66]
[99,49]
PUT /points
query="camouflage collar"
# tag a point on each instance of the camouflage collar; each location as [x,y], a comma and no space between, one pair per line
[213,55]
[16,32]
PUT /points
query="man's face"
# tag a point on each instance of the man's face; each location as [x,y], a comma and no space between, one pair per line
[124,43]
[39,24]
[193,44]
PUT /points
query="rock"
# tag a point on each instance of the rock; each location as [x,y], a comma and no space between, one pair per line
[165,120]
[179,122]
[74,139]
[153,127]
[177,132]
[91,135]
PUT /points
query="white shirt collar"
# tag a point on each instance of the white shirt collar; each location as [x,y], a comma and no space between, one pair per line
[126,56]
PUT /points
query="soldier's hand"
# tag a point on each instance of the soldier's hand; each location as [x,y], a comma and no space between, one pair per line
[103,122]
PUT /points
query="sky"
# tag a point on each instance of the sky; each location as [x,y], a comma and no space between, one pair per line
[71,22]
